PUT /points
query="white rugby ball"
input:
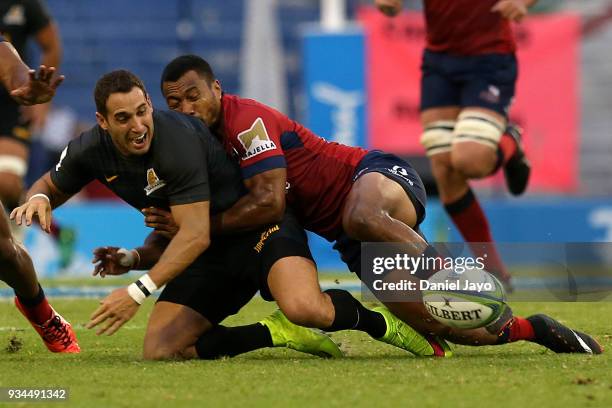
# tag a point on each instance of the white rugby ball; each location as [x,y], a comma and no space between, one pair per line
[469,300]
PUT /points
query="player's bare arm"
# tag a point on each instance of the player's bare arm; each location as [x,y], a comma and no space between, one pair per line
[514,10]
[13,72]
[192,238]
[41,198]
[389,7]
[264,204]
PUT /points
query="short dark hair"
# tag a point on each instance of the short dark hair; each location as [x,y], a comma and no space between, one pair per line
[119,81]
[185,63]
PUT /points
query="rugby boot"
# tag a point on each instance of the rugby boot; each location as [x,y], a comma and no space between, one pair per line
[517,168]
[57,333]
[561,339]
[399,334]
[311,341]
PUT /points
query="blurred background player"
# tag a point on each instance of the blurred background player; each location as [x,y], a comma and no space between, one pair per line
[20,21]
[16,267]
[469,73]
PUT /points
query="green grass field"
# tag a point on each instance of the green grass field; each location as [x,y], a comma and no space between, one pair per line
[110,373]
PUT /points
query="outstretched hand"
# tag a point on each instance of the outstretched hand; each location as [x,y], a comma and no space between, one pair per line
[115,310]
[40,87]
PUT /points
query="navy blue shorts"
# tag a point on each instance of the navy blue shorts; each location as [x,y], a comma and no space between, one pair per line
[397,170]
[486,81]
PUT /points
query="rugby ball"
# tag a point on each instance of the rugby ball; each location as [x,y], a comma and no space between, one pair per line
[467,300]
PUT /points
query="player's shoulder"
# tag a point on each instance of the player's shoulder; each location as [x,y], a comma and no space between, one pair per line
[88,141]
[241,114]
[175,120]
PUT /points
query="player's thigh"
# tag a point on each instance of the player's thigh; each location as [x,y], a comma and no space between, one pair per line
[373,195]
[289,273]
[385,186]
[294,284]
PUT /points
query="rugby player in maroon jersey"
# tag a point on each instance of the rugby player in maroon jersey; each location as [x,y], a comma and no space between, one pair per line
[345,194]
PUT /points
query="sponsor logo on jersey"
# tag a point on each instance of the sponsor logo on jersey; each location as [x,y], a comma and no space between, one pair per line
[255,140]
[15,16]
[153,182]
[111,178]
[264,236]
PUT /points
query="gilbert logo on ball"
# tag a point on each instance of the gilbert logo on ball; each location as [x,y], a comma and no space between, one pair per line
[468,300]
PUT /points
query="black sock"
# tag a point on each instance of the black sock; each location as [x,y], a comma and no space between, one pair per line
[31,302]
[352,315]
[223,341]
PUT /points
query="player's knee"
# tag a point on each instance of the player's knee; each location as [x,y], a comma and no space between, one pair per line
[308,311]
[475,141]
[473,161]
[437,137]
[158,346]
[157,351]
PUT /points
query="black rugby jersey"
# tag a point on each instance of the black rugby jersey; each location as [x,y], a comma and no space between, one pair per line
[184,164]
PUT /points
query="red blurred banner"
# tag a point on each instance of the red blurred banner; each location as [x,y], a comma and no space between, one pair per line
[547,97]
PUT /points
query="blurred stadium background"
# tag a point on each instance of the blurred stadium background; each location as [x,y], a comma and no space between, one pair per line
[339,79]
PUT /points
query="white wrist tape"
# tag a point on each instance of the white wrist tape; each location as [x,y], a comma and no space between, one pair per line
[39,195]
[135,293]
[141,289]
[130,259]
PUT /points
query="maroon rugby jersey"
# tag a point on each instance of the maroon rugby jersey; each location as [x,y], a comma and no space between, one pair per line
[467,27]
[319,173]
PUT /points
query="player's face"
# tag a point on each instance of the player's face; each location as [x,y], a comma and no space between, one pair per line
[129,121]
[192,95]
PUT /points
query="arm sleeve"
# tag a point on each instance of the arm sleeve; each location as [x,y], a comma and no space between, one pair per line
[71,174]
[255,134]
[37,16]
[185,169]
